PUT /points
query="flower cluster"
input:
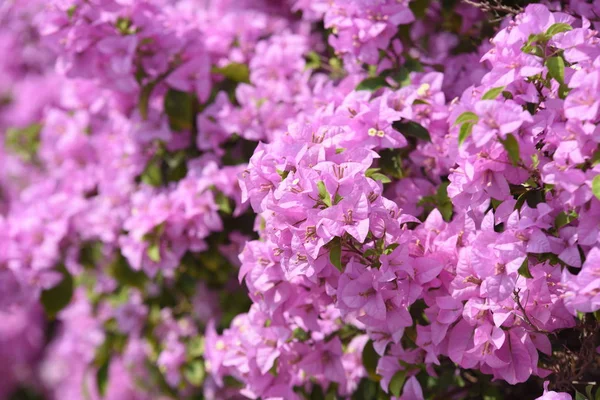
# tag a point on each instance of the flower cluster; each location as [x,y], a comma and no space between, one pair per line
[299,199]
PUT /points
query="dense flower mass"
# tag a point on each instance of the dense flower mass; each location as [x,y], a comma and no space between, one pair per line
[299,199]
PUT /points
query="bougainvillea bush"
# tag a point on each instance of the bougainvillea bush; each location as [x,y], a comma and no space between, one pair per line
[299,199]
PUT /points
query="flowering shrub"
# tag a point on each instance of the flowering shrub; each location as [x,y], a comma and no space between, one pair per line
[299,199]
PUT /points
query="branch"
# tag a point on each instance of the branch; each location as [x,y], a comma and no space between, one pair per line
[525,317]
[495,7]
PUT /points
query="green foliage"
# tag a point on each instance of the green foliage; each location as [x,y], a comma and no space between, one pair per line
[102,377]
[335,253]
[153,251]
[313,60]
[511,145]
[58,297]
[374,174]
[124,26]
[370,358]
[466,120]
[180,109]
[24,142]
[492,94]
[372,84]
[419,7]
[412,129]
[390,162]
[397,383]
[596,186]
[440,200]
[195,373]
[558,28]
[467,116]
[564,219]
[120,270]
[223,202]
[235,72]
[324,194]
[465,132]
[524,270]
[556,68]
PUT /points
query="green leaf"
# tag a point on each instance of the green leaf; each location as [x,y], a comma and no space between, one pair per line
[467,116]
[412,129]
[465,132]
[533,45]
[223,202]
[152,174]
[535,160]
[370,359]
[512,148]
[533,50]
[337,68]
[588,391]
[556,68]
[322,189]
[558,28]
[536,38]
[71,11]
[235,72]
[399,75]
[389,249]
[507,95]
[123,25]
[524,270]
[580,396]
[102,378]
[120,270]
[58,297]
[144,100]
[195,373]
[332,391]
[317,393]
[367,389]
[563,91]
[177,168]
[596,186]
[153,251]
[374,174]
[534,197]
[300,334]
[195,347]
[323,193]
[390,162]
[491,393]
[24,142]
[492,94]
[397,383]
[372,84]
[313,60]
[443,202]
[419,7]
[335,253]
[179,107]
[283,174]
[596,157]
[564,219]
[338,198]
[381,178]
